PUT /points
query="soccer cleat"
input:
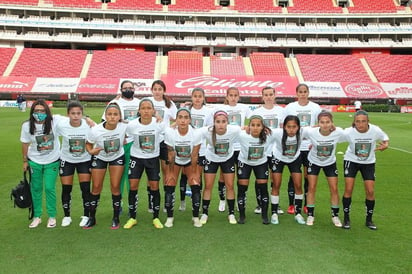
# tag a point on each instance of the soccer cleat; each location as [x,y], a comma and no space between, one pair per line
[299,219]
[232,219]
[310,220]
[241,220]
[165,210]
[336,221]
[274,219]
[157,223]
[346,223]
[35,223]
[130,223]
[196,222]
[51,223]
[91,222]
[305,209]
[222,206]
[291,209]
[115,224]
[280,211]
[265,221]
[169,222]
[66,221]
[188,192]
[83,220]
[203,219]
[371,225]
[150,210]
[258,210]
[182,206]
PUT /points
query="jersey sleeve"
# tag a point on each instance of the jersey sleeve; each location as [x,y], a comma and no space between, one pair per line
[169,137]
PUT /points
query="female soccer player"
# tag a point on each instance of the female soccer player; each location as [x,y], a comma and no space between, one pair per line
[220,138]
[322,156]
[41,153]
[144,156]
[360,156]
[286,153]
[105,143]
[183,145]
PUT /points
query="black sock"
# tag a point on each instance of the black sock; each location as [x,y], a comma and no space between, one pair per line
[241,199]
[305,189]
[85,189]
[222,190]
[116,201]
[370,205]
[205,206]
[156,203]
[291,192]
[258,195]
[231,205]
[94,202]
[169,200]
[66,199]
[334,211]
[311,210]
[346,202]
[195,200]
[264,197]
[149,198]
[133,202]
[298,206]
[182,187]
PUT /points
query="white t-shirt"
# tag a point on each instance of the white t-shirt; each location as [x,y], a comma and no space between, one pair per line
[167,114]
[292,151]
[361,148]
[146,138]
[201,118]
[110,140]
[252,152]
[73,141]
[223,150]
[323,148]
[182,144]
[308,116]
[43,148]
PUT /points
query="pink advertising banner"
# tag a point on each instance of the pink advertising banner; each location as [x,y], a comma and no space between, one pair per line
[363,90]
[98,85]
[16,84]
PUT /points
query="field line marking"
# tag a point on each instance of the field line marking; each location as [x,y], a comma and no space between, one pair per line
[399,149]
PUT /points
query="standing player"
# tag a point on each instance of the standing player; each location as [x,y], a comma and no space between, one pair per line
[362,136]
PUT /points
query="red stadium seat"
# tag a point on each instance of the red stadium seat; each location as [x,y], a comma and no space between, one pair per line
[135,5]
[227,66]
[269,63]
[193,6]
[86,4]
[314,6]
[391,68]
[6,54]
[376,6]
[265,6]
[185,63]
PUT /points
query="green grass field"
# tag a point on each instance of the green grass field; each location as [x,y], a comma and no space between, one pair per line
[217,247]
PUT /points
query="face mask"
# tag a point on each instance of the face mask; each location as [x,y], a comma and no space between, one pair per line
[39,117]
[128,93]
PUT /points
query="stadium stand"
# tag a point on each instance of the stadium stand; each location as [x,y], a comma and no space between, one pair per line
[314,6]
[85,4]
[135,5]
[193,6]
[21,2]
[6,54]
[227,66]
[332,68]
[269,63]
[391,68]
[265,6]
[185,63]
[49,63]
[376,6]
[122,64]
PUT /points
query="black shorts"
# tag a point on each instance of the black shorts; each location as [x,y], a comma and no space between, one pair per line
[329,171]
[226,167]
[304,157]
[68,169]
[201,161]
[100,164]
[163,151]
[244,171]
[277,166]
[350,169]
[137,166]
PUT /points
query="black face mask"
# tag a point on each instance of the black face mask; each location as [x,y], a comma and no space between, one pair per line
[128,93]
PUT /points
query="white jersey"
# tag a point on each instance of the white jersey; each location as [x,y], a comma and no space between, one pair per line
[110,140]
[73,141]
[292,151]
[43,148]
[202,117]
[128,109]
[307,115]
[167,114]
[252,152]
[224,147]
[182,144]
[361,148]
[323,148]
[146,138]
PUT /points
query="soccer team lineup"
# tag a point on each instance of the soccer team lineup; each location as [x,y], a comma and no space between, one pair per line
[191,147]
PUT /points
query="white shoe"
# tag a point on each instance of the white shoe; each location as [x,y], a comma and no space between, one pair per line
[35,223]
[169,222]
[222,206]
[196,222]
[232,219]
[164,210]
[310,220]
[280,211]
[274,219]
[150,210]
[83,221]
[66,221]
[203,219]
[299,219]
[258,210]
[336,221]
[51,223]
[182,206]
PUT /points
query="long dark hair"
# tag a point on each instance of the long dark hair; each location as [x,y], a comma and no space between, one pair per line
[47,125]
[217,113]
[202,91]
[167,100]
[265,131]
[285,134]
